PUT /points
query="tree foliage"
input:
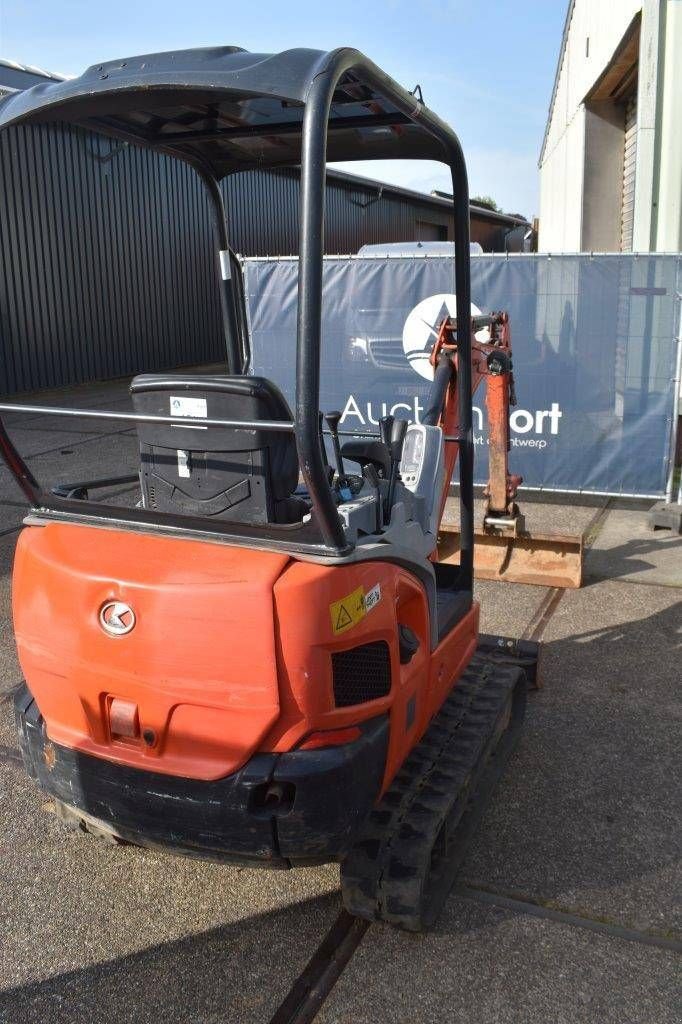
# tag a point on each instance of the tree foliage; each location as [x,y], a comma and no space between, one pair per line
[486,201]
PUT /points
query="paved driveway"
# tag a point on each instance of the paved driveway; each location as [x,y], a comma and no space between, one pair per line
[567,890]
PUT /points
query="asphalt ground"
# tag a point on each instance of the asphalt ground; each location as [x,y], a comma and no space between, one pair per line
[567,907]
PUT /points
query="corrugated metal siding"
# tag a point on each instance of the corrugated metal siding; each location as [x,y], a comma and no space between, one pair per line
[107,259]
[627,221]
[262,208]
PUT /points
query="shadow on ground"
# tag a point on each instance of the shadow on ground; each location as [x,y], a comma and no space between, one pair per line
[236,974]
[637,558]
[585,817]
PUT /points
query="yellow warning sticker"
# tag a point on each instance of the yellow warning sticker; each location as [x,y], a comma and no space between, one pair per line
[350,610]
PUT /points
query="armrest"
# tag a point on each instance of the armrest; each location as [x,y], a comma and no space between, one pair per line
[369,453]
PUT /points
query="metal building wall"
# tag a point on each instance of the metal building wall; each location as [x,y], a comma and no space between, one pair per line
[107,262]
[107,258]
[262,209]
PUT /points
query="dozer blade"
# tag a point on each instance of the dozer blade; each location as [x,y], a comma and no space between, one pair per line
[543,559]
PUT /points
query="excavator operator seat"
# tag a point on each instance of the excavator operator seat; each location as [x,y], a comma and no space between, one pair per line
[246,476]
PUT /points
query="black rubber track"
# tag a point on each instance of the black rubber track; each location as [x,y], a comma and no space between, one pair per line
[404,864]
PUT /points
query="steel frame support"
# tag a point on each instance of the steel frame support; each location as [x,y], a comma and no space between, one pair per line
[309,325]
[325,535]
[228,294]
[674,426]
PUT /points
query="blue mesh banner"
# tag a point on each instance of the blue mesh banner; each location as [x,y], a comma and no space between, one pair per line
[593,340]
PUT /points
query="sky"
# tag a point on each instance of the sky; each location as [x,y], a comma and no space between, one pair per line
[485,66]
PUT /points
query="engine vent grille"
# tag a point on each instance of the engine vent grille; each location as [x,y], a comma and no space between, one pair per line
[361,674]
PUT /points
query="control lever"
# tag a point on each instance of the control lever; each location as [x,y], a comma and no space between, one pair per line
[333,419]
[329,469]
[371,476]
[343,483]
[385,427]
[398,431]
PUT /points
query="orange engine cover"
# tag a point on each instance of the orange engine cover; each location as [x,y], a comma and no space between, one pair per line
[191,688]
[187,657]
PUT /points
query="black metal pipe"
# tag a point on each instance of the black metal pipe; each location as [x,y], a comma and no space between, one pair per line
[454,157]
[314,138]
[233,341]
[309,316]
[460,185]
[339,63]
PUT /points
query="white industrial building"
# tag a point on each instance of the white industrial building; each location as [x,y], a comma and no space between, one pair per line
[611,160]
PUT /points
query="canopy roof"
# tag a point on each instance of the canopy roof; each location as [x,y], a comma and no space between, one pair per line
[230,109]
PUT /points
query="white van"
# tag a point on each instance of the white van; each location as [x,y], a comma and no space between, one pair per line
[416,249]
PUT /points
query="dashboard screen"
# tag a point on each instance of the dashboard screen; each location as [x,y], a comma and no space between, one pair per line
[413,453]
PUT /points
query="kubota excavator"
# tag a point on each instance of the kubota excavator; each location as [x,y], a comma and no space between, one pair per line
[262,660]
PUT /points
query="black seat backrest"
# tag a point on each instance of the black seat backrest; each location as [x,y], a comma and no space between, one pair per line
[239,475]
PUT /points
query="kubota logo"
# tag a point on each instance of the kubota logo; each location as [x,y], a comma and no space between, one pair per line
[421,330]
[116,618]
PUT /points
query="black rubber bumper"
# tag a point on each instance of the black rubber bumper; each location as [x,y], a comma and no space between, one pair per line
[278,810]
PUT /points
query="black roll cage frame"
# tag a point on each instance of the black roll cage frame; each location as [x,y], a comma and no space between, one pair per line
[323,536]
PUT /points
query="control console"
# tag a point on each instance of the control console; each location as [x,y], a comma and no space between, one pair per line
[421,470]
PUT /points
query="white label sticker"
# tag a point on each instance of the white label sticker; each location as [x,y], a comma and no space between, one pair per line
[372,598]
[225,268]
[183,464]
[184,406]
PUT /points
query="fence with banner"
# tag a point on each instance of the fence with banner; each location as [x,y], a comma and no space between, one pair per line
[594,340]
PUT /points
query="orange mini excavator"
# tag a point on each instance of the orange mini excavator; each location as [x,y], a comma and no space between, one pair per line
[261,658]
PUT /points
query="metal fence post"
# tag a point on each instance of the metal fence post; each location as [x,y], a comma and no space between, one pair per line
[676,411]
